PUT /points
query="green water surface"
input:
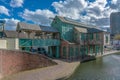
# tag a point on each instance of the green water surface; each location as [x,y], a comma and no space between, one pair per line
[104,68]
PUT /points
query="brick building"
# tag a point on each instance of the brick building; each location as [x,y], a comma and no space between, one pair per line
[78,39]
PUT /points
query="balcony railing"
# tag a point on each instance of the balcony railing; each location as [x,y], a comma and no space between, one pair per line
[38,42]
[83,42]
[46,42]
[94,42]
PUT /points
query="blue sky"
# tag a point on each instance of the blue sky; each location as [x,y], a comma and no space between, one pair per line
[39,11]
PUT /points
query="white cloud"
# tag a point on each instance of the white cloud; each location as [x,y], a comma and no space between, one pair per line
[96,12]
[114,1]
[38,16]
[115,4]
[16,3]
[11,23]
[70,8]
[96,8]
[4,10]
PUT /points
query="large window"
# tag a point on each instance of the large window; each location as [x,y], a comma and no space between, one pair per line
[97,36]
[106,39]
[71,51]
[91,36]
[83,36]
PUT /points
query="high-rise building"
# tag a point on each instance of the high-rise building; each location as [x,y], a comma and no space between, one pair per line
[115,23]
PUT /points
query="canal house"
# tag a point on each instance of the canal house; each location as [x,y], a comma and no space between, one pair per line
[78,39]
[45,39]
[32,38]
[66,38]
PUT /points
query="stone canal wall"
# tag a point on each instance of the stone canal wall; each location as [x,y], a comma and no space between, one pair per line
[16,61]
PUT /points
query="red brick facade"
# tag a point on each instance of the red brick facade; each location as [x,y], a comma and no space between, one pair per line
[67,45]
[64,44]
[15,61]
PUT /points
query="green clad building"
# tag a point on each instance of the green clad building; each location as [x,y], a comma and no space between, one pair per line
[78,39]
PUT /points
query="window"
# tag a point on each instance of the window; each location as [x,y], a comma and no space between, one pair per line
[91,36]
[64,51]
[71,51]
[106,39]
[82,36]
[97,36]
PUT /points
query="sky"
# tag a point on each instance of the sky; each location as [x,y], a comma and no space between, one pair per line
[40,12]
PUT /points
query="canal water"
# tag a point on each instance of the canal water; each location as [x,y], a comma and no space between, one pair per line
[104,68]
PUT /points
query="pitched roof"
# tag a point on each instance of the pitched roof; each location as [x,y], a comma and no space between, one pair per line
[15,34]
[48,29]
[83,30]
[94,30]
[33,27]
[26,26]
[73,22]
[11,34]
[90,28]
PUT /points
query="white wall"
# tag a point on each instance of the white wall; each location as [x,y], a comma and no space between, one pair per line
[106,34]
[17,43]
[12,43]
[3,44]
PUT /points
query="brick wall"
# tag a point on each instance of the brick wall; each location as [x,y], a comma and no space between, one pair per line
[16,61]
[64,44]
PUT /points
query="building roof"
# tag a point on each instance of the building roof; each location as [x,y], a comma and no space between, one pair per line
[73,22]
[48,29]
[94,30]
[33,27]
[90,28]
[83,30]
[15,34]
[26,26]
[11,34]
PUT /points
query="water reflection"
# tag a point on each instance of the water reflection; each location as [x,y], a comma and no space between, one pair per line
[104,68]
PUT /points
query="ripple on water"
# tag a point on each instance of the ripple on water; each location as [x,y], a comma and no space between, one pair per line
[104,68]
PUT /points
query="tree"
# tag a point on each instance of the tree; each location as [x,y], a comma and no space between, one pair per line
[117,37]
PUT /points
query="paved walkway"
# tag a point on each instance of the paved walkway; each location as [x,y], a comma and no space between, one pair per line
[110,52]
[63,69]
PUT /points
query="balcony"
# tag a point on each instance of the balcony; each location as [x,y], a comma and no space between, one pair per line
[83,42]
[46,42]
[38,42]
[94,42]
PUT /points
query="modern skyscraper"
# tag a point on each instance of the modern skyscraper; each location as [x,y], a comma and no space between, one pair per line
[115,23]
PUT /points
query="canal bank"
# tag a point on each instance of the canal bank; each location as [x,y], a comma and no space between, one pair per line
[108,52]
[103,68]
[57,72]
[63,69]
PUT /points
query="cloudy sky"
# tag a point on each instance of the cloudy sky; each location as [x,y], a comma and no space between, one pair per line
[95,12]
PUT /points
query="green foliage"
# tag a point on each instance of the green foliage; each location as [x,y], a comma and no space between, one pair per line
[117,37]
